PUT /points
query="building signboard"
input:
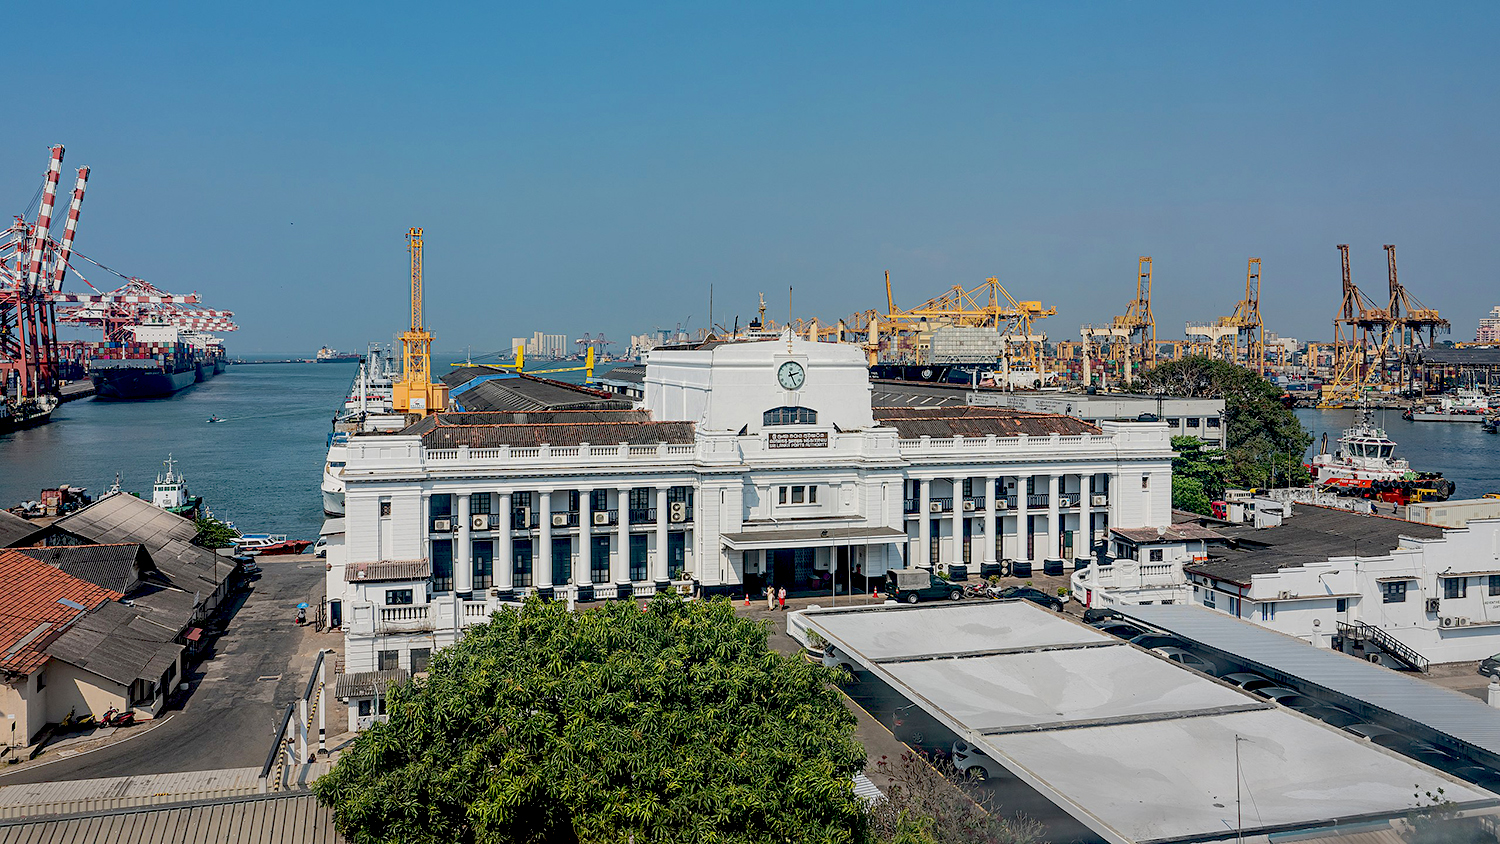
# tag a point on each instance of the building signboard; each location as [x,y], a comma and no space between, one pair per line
[797,439]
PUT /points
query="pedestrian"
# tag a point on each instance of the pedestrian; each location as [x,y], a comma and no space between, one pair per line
[770,598]
[781,596]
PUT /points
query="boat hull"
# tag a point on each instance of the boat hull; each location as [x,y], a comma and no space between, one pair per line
[132,384]
[333,504]
[24,420]
[1476,418]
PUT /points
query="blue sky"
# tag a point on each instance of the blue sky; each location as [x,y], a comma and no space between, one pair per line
[582,167]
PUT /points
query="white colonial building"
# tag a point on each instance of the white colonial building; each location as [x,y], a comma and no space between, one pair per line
[749,464]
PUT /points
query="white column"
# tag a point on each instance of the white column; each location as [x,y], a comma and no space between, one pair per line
[621,568]
[956,540]
[991,529]
[463,562]
[1023,534]
[504,565]
[583,572]
[659,563]
[924,525]
[541,559]
[1054,517]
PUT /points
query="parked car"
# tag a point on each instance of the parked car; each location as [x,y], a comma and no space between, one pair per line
[1490,666]
[1095,614]
[973,763]
[1247,680]
[1273,692]
[1421,751]
[320,548]
[1122,629]
[248,567]
[1150,641]
[912,724]
[1034,595]
[1334,715]
[918,584]
[1191,660]
[1369,731]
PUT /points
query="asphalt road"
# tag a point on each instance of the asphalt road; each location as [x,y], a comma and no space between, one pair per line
[229,721]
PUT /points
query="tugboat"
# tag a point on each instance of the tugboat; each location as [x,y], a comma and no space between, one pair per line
[269,544]
[171,494]
[1365,466]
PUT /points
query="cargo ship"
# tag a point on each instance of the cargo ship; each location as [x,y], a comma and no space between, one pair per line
[327,355]
[18,413]
[158,361]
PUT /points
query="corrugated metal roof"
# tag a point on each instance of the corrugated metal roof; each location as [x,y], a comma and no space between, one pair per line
[269,819]
[66,797]
[1451,713]
[530,434]
[388,570]
[368,683]
[115,567]
[168,537]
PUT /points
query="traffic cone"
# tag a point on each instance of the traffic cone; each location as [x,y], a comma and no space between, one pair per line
[747,597]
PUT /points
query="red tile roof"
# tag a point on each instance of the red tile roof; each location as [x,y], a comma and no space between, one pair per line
[32,593]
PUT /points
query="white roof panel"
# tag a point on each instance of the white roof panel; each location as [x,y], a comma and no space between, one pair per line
[1021,690]
[1176,778]
[893,632]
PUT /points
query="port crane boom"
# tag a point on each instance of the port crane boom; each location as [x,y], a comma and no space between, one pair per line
[415,392]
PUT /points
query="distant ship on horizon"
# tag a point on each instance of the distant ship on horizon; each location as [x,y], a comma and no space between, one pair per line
[327,355]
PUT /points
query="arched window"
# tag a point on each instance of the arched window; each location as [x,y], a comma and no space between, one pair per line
[791,416]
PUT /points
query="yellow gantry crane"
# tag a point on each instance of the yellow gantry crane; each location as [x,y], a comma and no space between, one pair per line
[1360,329]
[1243,329]
[415,392]
[989,305]
[1133,333]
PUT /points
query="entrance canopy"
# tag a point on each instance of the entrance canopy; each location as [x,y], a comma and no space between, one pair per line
[777,538]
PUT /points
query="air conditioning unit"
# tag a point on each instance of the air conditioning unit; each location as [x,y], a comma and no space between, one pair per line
[678,511]
[480,521]
[1448,621]
[968,506]
[935,507]
[1432,605]
[1462,621]
[1002,504]
[1283,595]
[1099,500]
[601,518]
[559,519]
[442,525]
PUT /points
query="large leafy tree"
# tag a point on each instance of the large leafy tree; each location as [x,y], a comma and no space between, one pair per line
[1197,475]
[672,724]
[1264,439]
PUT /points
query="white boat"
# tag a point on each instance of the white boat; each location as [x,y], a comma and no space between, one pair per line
[1366,466]
[333,475]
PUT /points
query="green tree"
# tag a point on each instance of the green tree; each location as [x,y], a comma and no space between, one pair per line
[1197,475]
[676,723]
[1264,439]
[213,533]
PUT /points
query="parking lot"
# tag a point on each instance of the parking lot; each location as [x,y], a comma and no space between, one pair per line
[228,720]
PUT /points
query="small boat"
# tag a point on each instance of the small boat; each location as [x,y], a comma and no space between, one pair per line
[215,418]
[270,544]
[1365,466]
[171,493]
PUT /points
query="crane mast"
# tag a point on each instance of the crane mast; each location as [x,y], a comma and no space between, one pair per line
[415,392]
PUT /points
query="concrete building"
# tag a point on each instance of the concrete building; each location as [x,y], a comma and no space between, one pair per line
[67,645]
[752,463]
[1489,327]
[1402,593]
[1201,418]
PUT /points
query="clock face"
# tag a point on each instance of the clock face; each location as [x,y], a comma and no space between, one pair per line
[790,375]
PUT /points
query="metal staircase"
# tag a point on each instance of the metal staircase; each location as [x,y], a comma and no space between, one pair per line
[1358,631]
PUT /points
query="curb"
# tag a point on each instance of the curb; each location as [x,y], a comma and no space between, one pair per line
[156,722]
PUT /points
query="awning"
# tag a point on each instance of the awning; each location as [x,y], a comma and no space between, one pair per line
[831,537]
[192,634]
[1448,574]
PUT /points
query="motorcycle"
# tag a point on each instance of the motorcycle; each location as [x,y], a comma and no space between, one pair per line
[115,718]
[77,723]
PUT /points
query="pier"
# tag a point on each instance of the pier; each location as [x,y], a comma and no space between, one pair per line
[74,390]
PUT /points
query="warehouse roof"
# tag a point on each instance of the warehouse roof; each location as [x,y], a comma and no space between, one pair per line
[1451,713]
[1128,743]
[13,527]
[116,567]
[269,819]
[121,517]
[1485,356]
[952,421]
[118,644]
[483,388]
[1311,534]
[40,602]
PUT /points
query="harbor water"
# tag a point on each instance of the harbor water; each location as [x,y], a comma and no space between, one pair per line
[1462,451]
[261,468]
